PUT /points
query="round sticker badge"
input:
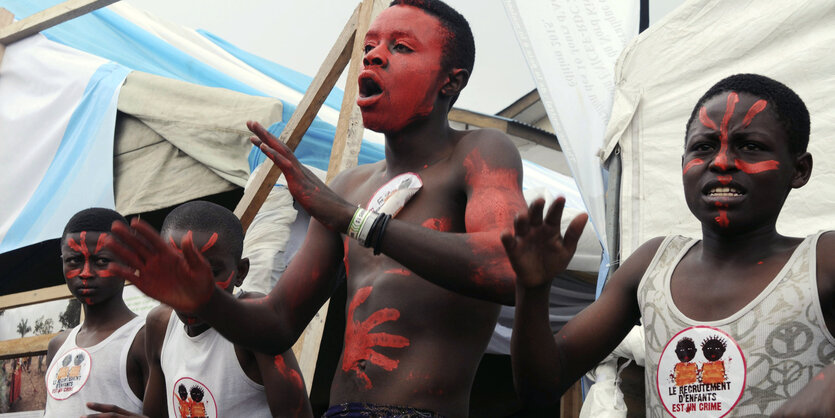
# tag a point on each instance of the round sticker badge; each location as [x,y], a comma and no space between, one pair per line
[701,373]
[68,373]
[192,399]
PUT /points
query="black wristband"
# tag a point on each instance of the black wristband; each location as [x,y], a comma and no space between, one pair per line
[379,233]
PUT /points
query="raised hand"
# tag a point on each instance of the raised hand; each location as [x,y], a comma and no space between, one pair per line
[108,410]
[537,250]
[316,198]
[180,279]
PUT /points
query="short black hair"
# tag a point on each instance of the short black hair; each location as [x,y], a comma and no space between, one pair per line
[786,105]
[92,220]
[459,49]
[205,216]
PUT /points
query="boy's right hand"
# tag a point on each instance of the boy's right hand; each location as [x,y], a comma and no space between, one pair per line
[537,250]
[182,280]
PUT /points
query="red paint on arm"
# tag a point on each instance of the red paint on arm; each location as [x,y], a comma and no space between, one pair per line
[345,257]
[755,108]
[293,377]
[492,204]
[754,168]
[398,271]
[358,340]
[692,163]
[439,224]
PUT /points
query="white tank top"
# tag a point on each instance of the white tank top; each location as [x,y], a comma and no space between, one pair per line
[203,377]
[92,374]
[747,364]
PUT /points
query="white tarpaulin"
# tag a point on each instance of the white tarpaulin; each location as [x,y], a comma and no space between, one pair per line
[662,74]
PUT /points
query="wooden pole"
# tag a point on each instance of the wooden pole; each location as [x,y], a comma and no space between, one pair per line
[50,17]
[316,94]
[6,19]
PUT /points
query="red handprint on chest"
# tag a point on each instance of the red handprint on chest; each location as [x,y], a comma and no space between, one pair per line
[359,341]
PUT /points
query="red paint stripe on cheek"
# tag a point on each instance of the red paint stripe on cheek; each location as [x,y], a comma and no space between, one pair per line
[73,273]
[754,168]
[693,163]
[225,284]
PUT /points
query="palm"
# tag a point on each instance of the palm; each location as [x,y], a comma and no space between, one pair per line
[180,279]
[537,250]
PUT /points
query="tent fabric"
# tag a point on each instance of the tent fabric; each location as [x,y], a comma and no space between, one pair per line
[178,141]
[662,74]
[51,165]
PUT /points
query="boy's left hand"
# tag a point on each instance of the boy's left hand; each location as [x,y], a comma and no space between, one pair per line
[316,197]
[109,411]
[816,399]
[537,250]
[180,279]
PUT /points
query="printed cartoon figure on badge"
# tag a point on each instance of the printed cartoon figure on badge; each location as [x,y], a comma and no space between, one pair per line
[745,149]
[109,346]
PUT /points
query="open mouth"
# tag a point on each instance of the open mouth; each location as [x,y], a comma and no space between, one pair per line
[724,191]
[368,86]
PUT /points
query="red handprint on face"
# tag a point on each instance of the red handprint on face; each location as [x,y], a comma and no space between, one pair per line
[358,340]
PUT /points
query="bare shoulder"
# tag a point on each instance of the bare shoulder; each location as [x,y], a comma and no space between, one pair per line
[55,343]
[244,295]
[157,321]
[825,249]
[632,270]
[490,144]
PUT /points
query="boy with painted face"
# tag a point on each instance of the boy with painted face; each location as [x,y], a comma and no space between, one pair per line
[762,302]
[194,371]
[102,359]
[422,303]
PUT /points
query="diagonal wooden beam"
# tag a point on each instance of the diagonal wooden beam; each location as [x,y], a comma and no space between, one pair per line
[50,17]
[315,95]
[25,347]
[6,19]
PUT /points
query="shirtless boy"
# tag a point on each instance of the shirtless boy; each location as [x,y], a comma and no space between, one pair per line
[420,314]
[758,307]
[103,359]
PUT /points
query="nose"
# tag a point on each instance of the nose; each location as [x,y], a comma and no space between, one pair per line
[376,56]
[724,160]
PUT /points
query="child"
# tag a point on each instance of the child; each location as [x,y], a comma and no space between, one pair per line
[760,305]
[102,359]
[410,268]
[194,371]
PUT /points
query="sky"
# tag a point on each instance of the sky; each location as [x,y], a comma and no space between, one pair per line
[299,33]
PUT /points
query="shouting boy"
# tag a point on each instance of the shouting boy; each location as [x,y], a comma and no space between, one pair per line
[423,275]
[102,359]
[752,309]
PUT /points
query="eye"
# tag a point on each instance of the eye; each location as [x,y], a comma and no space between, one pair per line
[72,260]
[701,146]
[751,146]
[368,48]
[102,261]
[402,48]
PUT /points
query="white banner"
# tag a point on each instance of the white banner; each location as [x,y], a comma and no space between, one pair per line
[571,48]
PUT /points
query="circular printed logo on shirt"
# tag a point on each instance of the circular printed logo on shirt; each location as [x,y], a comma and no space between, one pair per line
[192,399]
[68,373]
[701,373]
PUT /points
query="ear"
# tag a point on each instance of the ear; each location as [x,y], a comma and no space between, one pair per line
[243,270]
[457,79]
[802,170]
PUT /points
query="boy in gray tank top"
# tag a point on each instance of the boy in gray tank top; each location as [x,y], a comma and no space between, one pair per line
[739,323]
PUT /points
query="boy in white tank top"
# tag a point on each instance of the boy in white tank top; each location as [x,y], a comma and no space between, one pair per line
[102,359]
[194,371]
[739,323]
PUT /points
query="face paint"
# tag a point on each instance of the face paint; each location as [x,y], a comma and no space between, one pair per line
[755,168]
[722,219]
[693,163]
[402,74]
[487,183]
[210,243]
[81,247]
[439,224]
[225,284]
[358,340]
[755,108]
[724,180]
[721,160]
[345,257]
